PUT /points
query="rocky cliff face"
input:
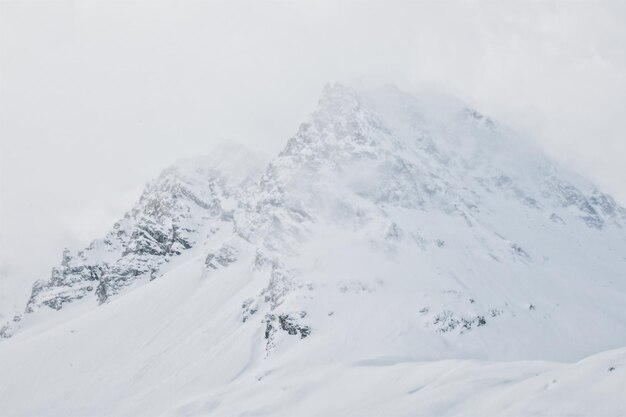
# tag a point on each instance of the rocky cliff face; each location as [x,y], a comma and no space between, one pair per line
[182,208]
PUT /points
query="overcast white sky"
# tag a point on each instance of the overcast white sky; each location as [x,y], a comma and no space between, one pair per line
[96,97]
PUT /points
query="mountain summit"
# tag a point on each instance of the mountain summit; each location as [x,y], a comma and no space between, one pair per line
[391,229]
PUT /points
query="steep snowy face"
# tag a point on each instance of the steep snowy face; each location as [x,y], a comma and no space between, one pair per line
[389,149]
[186,205]
[435,226]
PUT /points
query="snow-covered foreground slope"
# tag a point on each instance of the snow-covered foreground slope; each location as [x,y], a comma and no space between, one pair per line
[401,256]
[176,347]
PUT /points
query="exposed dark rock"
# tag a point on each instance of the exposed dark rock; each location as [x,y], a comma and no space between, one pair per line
[225,256]
[287,322]
[447,321]
[290,324]
[249,307]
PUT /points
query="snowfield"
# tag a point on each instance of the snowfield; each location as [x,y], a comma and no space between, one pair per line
[167,349]
[402,256]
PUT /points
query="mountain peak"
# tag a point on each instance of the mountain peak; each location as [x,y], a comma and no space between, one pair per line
[392,229]
[377,193]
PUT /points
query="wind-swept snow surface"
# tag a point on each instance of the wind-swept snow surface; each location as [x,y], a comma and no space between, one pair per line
[401,256]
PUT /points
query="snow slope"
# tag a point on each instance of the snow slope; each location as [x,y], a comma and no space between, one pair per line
[129,358]
[401,256]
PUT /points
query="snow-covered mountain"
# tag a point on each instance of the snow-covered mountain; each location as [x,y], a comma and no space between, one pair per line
[189,204]
[391,230]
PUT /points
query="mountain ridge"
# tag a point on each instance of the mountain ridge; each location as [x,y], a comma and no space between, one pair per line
[364,159]
[376,148]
